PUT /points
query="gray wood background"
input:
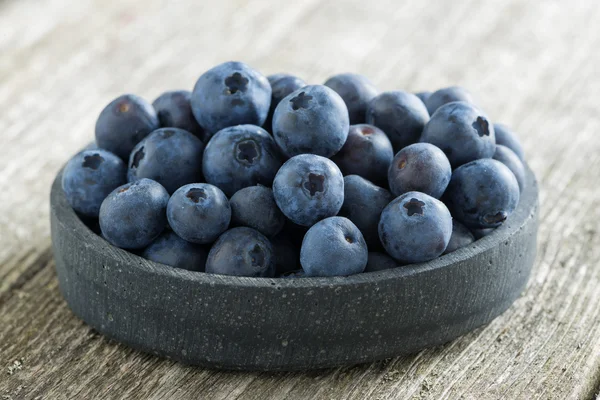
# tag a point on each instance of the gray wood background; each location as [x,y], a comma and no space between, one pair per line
[533,65]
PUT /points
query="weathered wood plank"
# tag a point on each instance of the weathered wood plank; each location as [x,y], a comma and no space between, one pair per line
[531,65]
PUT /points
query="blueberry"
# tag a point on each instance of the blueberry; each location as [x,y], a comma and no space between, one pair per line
[333,247]
[199,212]
[170,249]
[309,188]
[241,252]
[170,156]
[415,227]
[461,237]
[462,131]
[174,111]
[356,91]
[281,86]
[508,157]
[123,123]
[445,96]
[379,262]
[313,119]
[133,215]
[400,115]
[367,152]
[89,177]
[241,156]
[255,207]
[363,204]
[508,138]
[230,94]
[482,193]
[287,256]
[423,96]
[420,167]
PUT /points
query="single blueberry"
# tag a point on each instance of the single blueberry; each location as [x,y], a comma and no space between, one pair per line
[308,188]
[313,119]
[356,91]
[170,249]
[367,152]
[287,255]
[506,137]
[462,131]
[447,95]
[89,177]
[461,237]
[363,204]
[482,193]
[174,111]
[415,227]
[508,157]
[255,207]
[134,214]
[400,115]
[230,94]
[423,96]
[241,252]
[281,86]
[379,262]
[123,123]
[241,156]
[199,213]
[420,167]
[333,247]
[170,156]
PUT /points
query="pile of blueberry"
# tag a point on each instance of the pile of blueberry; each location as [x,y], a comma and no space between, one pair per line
[250,175]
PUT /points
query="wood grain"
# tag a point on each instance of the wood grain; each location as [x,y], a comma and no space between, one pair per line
[530,64]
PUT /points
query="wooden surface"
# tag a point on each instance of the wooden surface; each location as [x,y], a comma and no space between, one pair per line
[532,65]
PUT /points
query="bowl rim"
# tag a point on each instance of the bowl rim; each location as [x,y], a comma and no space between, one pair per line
[66,216]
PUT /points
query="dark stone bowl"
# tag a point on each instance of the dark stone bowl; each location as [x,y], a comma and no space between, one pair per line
[290,324]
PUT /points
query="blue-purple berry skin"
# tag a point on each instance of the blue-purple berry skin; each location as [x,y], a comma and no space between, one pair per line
[420,167]
[333,247]
[170,249]
[123,123]
[380,262]
[423,96]
[242,251]
[506,137]
[447,95]
[174,111]
[255,207]
[199,212]
[241,156]
[281,86]
[231,94]
[462,131]
[508,157]
[89,177]
[356,91]
[170,156]
[311,120]
[133,215]
[415,227]
[287,254]
[363,204]
[309,188]
[400,115]
[367,152]
[461,237]
[482,194]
